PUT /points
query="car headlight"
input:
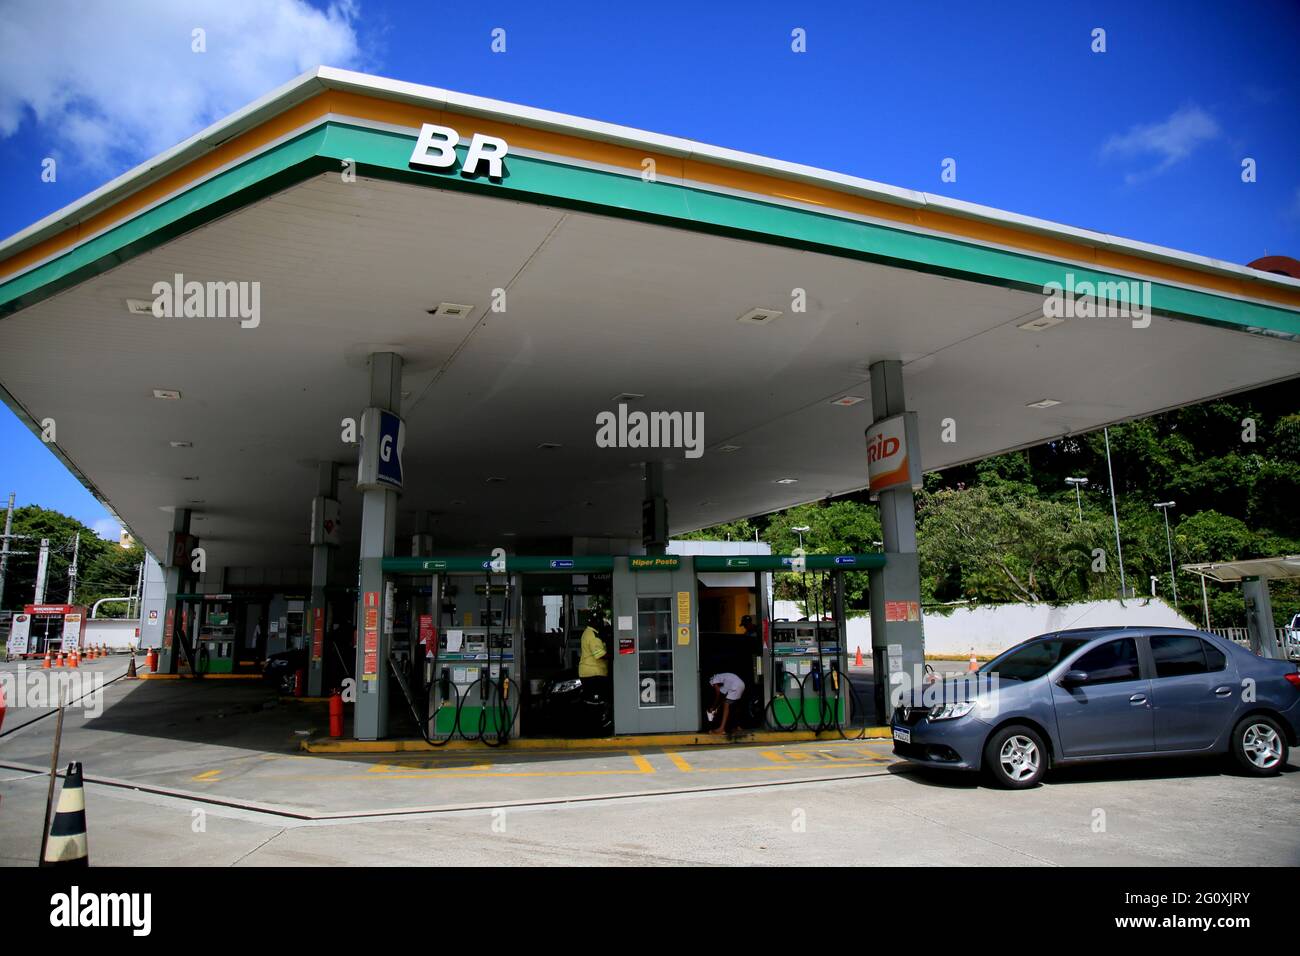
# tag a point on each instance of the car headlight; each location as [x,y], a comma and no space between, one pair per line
[951,711]
[566,686]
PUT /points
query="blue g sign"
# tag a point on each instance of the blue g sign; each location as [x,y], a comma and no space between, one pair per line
[383,436]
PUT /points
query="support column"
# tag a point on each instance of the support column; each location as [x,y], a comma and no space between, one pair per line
[1259,618]
[324,540]
[378,530]
[654,510]
[897,641]
[175,574]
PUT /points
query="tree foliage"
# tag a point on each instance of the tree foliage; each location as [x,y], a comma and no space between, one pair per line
[104,568]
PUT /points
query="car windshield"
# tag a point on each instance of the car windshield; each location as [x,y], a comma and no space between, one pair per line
[1032,659]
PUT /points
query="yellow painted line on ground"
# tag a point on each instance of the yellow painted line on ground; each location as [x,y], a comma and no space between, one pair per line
[678,761]
[207,776]
[341,746]
[642,764]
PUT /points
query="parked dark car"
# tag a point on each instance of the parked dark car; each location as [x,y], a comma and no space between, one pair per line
[573,706]
[1106,694]
[279,669]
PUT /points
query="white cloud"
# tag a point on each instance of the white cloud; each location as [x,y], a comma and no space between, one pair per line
[118,82]
[1167,142]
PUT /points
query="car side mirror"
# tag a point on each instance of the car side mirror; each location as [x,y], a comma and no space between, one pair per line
[1074,678]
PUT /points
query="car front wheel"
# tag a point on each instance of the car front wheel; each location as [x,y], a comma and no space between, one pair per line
[1259,745]
[1015,758]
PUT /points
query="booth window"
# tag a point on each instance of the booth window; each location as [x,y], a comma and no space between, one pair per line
[654,651]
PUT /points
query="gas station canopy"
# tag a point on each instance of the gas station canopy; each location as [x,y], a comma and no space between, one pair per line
[604,266]
[1233,572]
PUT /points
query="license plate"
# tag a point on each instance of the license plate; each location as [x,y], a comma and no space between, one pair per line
[902,735]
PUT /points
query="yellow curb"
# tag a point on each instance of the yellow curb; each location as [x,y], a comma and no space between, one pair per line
[329,746]
[204,677]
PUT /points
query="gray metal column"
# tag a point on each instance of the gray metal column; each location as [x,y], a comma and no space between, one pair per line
[174,576]
[378,530]
[654,510]
[1259,618]
[322,566]
[897,646]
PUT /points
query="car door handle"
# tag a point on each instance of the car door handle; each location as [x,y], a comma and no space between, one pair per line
[1138,699]
[1222,691]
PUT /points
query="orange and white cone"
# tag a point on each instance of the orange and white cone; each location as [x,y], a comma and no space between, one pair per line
[974,664]
[49,660]
[68,844]
[74,659]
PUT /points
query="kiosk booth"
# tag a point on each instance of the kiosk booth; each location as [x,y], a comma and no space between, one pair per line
[42,627]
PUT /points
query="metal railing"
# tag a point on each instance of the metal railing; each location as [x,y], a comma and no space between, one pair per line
[1284,637]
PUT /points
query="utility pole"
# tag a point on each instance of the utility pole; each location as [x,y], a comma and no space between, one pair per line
[1114,511]
[72,570]
[42,570]
[4,547]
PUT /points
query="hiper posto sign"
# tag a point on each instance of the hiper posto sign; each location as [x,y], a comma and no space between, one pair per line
[890,462]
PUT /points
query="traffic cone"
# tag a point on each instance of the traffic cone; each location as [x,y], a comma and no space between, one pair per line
[974,664]
[130,665]
[90,652]
[857,661]
[49,660]
[67,845]
[63,659]
[74,659]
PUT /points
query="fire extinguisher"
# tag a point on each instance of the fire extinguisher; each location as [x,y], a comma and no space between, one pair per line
[151,660]
[298,679]
[336,714]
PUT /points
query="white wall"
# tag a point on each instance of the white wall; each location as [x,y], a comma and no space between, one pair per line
[989,630]
[116,634]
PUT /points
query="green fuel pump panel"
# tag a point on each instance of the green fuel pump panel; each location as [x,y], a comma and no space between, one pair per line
[474,690]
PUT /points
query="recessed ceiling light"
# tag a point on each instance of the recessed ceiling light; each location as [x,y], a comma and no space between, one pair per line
[786,481]
[760,316]
[507,534]
[623,398]
[181,444]
[170,394]
[198,501]
[450,310]
[1043,403]
[1040,323]
[847,400]
[139,307]
[548,446]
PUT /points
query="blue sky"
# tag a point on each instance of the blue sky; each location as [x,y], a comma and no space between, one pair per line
[1145,140]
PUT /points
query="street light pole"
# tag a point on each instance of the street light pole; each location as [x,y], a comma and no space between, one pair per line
[1119,551]
[1078,499]
[1164,507]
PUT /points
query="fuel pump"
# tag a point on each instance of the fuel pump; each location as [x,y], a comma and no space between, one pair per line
[807,680]
[474,692]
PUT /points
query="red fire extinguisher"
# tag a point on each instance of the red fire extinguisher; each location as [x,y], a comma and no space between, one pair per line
[336,714]
[298,680]
[151,661]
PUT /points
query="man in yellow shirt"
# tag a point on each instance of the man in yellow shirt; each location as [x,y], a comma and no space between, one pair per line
[594,660]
